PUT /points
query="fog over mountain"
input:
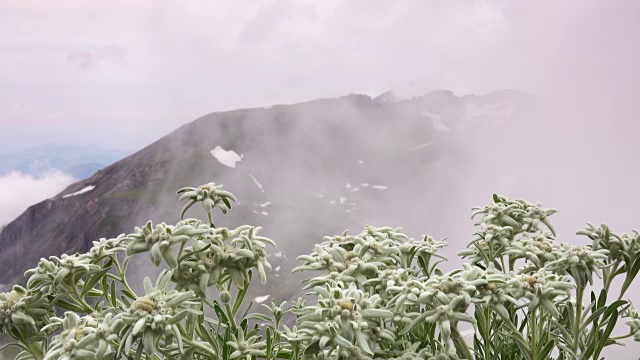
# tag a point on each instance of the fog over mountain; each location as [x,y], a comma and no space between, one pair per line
[302,171]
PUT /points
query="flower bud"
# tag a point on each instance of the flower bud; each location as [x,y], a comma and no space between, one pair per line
[225,297]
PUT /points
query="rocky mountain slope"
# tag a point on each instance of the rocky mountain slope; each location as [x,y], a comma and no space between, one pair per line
[301,171]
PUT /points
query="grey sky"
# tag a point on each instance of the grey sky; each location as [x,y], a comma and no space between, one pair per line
[123,73]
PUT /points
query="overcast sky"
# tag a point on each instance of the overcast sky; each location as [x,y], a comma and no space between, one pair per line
[124,73]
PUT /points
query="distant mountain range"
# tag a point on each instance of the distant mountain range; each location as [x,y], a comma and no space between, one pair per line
[77,161]
[301,171]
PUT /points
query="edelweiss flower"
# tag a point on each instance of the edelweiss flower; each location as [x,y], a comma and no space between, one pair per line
[224,255]
[158,240]
[82,338]
[155,316]
[211,195]
[539,248]
[342,318]
[22,311]
[541,289]
[62,274]
[580,262]
[105,248]
[246,348]
[633,321]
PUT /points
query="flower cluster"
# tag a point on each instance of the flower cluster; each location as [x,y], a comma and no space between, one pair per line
[211,195]
[154,316]
[245,347]
[221,255]
[106,248]
[61,274]
[633,321]
[514,228]
[375,295]
[83,338]
[158,240]
[538,247]
[542,289]
[23,311]
[345,319]
[580,262]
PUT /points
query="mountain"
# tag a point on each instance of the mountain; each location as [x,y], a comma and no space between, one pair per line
[301,171]
[77,161]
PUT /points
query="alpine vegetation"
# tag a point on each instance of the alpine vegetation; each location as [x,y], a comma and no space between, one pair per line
[377,294]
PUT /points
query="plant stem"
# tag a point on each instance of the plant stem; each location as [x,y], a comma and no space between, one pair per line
[611,274]
[123,279]
[487,340]
[210,219]
[35,351]
[231,316]
[534,339]
[80,300]
[578,321]
[462,345]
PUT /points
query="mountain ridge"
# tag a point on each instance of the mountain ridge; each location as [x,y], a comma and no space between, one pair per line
[298,157]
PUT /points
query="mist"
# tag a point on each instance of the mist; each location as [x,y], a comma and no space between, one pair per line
[138,71]
[19,191]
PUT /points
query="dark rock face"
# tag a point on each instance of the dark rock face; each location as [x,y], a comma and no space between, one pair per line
[307,170]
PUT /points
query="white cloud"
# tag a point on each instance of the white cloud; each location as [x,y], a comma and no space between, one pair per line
[18,191]
[149,64]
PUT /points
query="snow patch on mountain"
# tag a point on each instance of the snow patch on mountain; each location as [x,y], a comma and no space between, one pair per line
[257,183]
[226,158]
[261,299]
[84,190]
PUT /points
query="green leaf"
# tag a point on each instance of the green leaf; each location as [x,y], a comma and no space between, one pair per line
[190,254]
[70,306]
[602,300]
[125,301]
[129,294]
[269,344]
[221,316]
[114,300]
[613,318]
[93,280]
[546,351]
[226,348]
[205,334]
[240,297]
[593,317]
[313,348]
[260,317]
[94,293]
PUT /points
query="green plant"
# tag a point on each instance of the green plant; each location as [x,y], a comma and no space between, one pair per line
[377,294]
